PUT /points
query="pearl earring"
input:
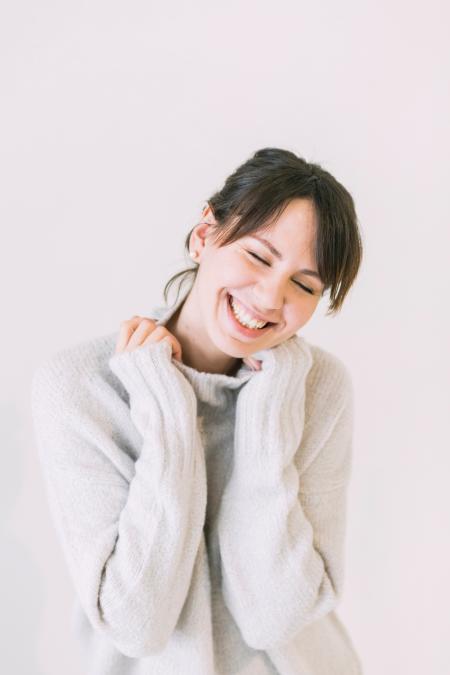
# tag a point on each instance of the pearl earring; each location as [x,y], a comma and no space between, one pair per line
[194,254]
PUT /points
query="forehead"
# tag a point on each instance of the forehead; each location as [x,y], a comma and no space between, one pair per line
[294,229]
[299,213]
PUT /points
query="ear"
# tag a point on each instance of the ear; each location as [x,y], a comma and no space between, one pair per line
[202,230]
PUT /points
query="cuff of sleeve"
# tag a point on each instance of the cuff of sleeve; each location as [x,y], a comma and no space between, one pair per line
[156,387]
[140,367]
[288,362]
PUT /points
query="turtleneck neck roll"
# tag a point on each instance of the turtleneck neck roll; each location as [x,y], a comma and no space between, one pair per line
[208,386]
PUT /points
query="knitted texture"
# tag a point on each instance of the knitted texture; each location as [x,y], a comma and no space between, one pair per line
[202,516]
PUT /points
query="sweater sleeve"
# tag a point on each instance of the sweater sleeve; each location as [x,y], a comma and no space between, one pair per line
[130,528]
[281,534]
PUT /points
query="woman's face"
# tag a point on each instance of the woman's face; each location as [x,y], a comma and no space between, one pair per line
[275,287]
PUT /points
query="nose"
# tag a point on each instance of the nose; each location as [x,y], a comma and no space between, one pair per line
[269,297]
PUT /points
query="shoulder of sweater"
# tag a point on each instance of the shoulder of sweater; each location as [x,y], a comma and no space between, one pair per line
[65,371]
[329,379]
[70,365]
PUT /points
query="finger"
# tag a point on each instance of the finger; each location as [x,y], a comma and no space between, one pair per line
[145,328]
[127,329]
[171,339]
[176,350]
[253,363]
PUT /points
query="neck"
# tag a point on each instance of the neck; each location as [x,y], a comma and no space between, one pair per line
[184,324]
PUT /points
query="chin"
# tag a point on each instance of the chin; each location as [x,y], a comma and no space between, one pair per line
[227,345]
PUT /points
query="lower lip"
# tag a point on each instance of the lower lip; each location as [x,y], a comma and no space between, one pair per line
[242,330]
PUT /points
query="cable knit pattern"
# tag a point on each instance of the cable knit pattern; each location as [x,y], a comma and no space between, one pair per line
[201,515]
[262,525]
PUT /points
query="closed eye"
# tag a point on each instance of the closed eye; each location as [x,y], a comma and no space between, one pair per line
[305,288]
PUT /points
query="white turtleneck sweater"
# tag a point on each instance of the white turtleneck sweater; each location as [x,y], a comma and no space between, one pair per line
[202,515]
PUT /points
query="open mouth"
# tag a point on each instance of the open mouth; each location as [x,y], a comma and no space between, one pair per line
[241,328]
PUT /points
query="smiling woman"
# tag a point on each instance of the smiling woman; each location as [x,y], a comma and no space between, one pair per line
[278,235]
[197,460]
[257,193]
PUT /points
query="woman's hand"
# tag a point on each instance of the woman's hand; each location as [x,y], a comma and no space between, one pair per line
[139,331]
[253,363]
[285,362]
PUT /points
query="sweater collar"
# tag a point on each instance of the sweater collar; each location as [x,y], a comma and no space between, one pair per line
[202,381]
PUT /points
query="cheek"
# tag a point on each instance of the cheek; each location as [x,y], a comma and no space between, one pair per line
[297,314]
[232,271]
[217,274]
[303,314]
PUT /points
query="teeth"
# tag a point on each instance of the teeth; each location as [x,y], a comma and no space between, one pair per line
[244,318]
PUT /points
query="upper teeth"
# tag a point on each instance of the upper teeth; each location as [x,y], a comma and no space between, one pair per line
[244,317]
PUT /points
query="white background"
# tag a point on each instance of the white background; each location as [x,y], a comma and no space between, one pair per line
[118,120]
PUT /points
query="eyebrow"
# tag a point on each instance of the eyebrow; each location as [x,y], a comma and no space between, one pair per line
[277,254]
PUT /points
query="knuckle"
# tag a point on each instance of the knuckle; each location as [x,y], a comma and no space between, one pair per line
[147,322]
[127,322]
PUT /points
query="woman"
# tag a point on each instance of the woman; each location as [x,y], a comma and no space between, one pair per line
[197,461]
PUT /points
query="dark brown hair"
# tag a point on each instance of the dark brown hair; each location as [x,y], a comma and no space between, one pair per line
[256,194]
